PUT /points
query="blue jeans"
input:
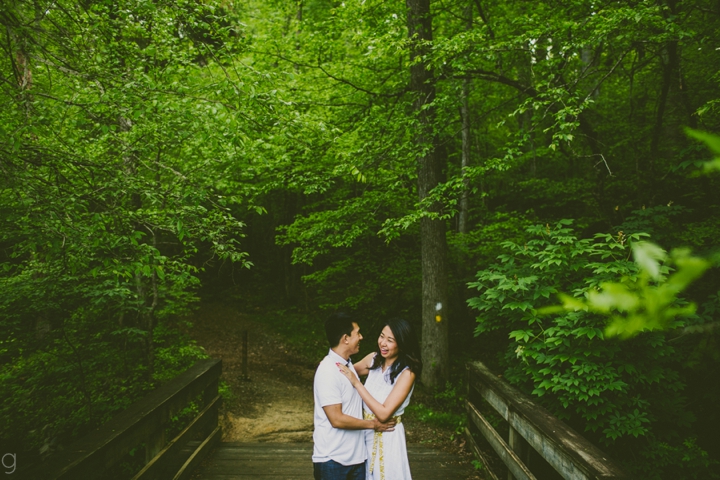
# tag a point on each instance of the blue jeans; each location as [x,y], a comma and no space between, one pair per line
[332,470]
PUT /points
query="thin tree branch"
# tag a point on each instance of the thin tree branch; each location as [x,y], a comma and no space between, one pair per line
[484,19]
[496,77]
[336,78]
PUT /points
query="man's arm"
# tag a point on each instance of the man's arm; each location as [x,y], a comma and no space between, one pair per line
[340,420]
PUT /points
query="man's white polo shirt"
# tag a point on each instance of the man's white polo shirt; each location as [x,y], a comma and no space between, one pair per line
[330,387]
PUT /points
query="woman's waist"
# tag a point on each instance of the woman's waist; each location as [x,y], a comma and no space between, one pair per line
[367,415]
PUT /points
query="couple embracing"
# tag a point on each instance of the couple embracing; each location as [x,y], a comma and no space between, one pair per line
[359,433]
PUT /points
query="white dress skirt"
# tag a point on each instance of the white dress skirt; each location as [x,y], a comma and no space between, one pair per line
[387,451]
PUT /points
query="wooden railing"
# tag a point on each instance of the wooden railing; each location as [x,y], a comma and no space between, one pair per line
[530,425]
[145,422]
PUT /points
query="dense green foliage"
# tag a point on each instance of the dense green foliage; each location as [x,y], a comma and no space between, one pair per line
[108,132]
[617,391]
[152,148]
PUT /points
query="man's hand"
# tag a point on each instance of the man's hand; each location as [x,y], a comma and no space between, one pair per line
[388,426]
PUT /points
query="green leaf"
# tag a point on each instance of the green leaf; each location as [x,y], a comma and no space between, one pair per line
[712,141]
[648,256]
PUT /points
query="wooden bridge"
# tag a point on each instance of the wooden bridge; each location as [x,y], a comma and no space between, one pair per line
[292,461]
[196,452]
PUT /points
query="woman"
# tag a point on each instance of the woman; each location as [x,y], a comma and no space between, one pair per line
[391,373]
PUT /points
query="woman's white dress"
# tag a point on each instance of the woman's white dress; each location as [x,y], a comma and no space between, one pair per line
[387,452]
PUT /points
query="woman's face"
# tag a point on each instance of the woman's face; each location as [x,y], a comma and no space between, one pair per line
[388,346]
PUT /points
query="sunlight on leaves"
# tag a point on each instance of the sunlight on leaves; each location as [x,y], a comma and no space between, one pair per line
[712,142]
[648,302]
[648,257]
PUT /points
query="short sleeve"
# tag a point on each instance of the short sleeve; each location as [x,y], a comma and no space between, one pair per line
[327,388]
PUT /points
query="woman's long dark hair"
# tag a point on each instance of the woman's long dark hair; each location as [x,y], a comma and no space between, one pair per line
[409,351]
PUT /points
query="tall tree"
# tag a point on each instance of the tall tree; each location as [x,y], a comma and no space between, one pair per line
[435,354]
[465,162]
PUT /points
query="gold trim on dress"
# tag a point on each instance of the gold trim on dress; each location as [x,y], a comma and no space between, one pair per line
[377,447]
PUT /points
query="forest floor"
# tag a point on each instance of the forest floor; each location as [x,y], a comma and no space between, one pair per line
[275,402]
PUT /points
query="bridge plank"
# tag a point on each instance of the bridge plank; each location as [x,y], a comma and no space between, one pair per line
[292,461]
[199,454]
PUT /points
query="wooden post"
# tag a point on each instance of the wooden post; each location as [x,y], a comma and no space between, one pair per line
[154,443]
[518,445]
[208,397]
[245,354]
[471,443]
[512,440]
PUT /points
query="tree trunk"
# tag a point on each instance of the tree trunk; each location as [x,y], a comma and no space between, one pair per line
[525,120]
[465,163]
[150,315]
[669,59]
[433,242]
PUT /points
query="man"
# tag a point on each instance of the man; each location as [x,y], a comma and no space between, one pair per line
[339,452]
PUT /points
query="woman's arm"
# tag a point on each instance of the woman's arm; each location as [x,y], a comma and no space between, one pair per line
[383,411]
[340,420]
[363,366]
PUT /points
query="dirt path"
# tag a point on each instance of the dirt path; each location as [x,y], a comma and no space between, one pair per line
[276,403]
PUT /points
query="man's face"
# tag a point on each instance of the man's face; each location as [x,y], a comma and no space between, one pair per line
[354,339]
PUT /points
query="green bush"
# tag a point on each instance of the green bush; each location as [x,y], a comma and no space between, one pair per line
[627,395]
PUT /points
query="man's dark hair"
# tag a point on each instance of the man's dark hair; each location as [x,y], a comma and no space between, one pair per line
[337,325]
